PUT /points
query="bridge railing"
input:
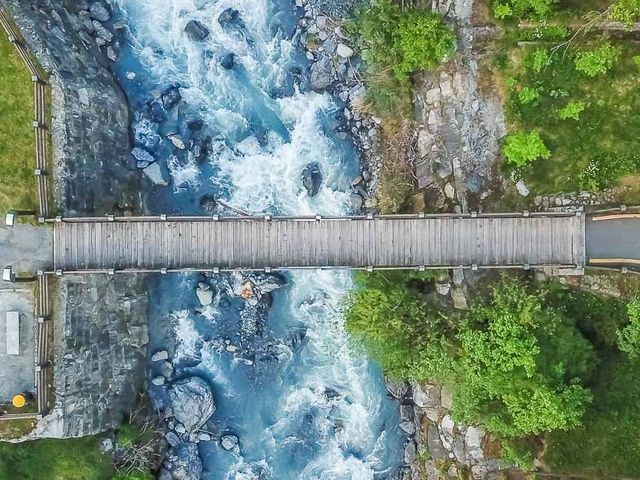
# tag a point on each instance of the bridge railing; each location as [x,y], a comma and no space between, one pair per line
[40,114]
[302,218]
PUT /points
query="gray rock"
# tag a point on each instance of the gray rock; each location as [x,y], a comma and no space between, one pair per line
[475,183]
[443,288]
[344,51]
[409,453]
[171,96]
[196,31]
[356,201]
[444,167]
[172,439]
[445,427]
[228,61]
[158,381]
[166,369]
[396,388]
[142,158]
[321,75]
[187,464]
[99,12]
[418,395]
[312,179]
[205,295]
[160,356]
[459,299]
[436,448]
[228,441]
[458,276]
[180,429]
[102,32]
[408,427]
[446,398]
[406,413]
[522,188]
[230,17]
[192,402]
[155,174]
[177,141]
[106,445]
[473,445]
[450,191]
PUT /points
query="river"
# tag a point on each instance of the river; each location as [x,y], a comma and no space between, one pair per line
[303,401]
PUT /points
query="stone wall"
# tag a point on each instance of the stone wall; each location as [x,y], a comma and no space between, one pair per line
[90,125]
[101,335]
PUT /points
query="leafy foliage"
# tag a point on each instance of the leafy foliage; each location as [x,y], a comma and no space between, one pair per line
[626,11]
[403,40]
[598,61]
[538,59]
[514,365]
[629,336]
[520,365]
[572,110]
[520,149]
[528,95]
[523,8]
[135,475]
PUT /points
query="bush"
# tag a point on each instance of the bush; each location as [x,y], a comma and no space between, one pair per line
[572,110]
[521,149]
[402,40]
[528,95]
[626,11]
[135,475]
[537,9]
[598,61]
[538,59]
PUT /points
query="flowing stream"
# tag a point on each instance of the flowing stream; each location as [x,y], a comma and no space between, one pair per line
[302,401]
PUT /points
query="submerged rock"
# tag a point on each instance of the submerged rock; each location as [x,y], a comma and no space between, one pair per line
[208,203]
[192,402]
[142,158]
[160,356]
[195,124]
[185,462]
[170,97]
[312,179]
[228,61]
[228,441]
[196,30]
[99,12]
[154,173]
[230,16]
[204,294]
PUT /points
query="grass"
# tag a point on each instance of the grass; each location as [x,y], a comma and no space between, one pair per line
[74,459]
[17,140]
[591,153]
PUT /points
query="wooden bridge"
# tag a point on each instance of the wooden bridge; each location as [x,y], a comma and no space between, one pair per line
[168,244]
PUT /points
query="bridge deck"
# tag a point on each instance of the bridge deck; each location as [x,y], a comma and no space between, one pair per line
[206,244]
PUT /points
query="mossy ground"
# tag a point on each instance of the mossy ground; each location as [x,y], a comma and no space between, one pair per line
[17,139]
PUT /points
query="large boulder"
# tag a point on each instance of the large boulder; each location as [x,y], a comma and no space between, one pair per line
[142,158]
[156,175]
[228,441]
[230,17]
[192,402]
[171,96]
[196,31]
[321,75]
[99,12]
[312,179]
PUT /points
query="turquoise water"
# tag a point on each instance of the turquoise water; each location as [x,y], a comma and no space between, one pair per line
[304,403]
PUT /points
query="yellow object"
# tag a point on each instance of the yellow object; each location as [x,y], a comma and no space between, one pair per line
[19,401]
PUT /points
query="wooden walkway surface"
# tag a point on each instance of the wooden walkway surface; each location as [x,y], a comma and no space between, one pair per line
[199,243]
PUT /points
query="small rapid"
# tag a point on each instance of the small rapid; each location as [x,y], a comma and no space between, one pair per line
[303,402]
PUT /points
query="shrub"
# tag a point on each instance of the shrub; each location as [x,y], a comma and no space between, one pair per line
[528,95]
[636,60]
[598,61]
[626,11]
[538,59]
[403,40]
[572,110]
[521,149]
[629,336]
[523,8]
[135,475]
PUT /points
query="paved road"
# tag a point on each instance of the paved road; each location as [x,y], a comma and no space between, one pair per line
[27,248]
[613,239]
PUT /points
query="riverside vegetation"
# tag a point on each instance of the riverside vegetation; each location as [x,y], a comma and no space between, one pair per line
[538,365]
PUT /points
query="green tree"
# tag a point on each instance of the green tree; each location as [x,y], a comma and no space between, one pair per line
[520,365]
[571,110]
[629,336]
[403,40]
[521,149]
[626,11]
[598,61]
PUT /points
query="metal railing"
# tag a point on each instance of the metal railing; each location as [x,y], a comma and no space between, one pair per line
[40,114]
